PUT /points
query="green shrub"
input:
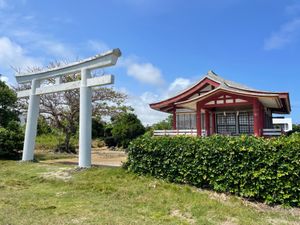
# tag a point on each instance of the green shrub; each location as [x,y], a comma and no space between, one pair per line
[98,143]
[8,100]
[110,141]
[296,129]
[263,169]
[11,133]
[65,148]
[11,141]
[98,127]
[124,128]
[165,124]
[43,127]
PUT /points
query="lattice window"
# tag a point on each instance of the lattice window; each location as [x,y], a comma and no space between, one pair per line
[186,121]
[231,119]
[245,122]
[193,121]
[226,123]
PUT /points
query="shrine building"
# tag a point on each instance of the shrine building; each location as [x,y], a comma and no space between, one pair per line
[218,106]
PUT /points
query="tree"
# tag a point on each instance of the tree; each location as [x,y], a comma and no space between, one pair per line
[124,128]
[166,124]
[8,99]
[62,109]
[11,140]
[11,133]
[98,127]
[296,127]
[43,127]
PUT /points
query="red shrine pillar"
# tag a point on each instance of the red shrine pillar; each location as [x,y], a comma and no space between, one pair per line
[262,116]
[207,122]
[213,126]
[174,119]
[198,120]
[257,118]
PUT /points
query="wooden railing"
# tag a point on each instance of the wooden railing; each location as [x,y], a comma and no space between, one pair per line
[192,132]
[272,132]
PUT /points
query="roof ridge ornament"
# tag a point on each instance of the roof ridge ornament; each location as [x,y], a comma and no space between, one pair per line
[211,72]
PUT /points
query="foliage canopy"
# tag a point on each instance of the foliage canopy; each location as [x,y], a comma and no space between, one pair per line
[124,128]
[8,99]
[11,133]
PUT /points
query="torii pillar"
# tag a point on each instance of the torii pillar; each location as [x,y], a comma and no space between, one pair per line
[85,120]
[32,119]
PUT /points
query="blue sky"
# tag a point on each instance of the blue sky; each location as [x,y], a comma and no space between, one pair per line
[166,44]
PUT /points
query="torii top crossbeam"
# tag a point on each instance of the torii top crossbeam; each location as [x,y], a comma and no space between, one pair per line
[102,60]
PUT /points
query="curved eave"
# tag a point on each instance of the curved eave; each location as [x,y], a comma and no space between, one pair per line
[286,98]
[258,91]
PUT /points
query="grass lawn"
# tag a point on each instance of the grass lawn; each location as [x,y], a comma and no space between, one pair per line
[38,193]
[50,141]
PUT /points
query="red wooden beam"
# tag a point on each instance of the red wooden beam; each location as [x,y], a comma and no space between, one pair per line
[174,119]
[207,122]
[218,94]
[262,118]
[213,122]
[226,104]
[198,120]
[256,118]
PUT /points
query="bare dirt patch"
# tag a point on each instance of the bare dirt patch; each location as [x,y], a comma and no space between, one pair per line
[100,157]
[282,222]
[221,197]
[186,216]
[259,206]
[266,208]
[60,173]
[230,221]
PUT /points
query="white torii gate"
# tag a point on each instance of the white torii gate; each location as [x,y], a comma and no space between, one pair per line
[85,84]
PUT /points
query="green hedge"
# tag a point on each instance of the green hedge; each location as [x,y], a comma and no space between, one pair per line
[262,169]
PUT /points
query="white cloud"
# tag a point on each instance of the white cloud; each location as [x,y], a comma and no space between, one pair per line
[97,46]
[13,55]
[3,78]
[142,109]
[178,85]
[145,73]
[56,49]
[293,9]
[288,33]
[141,103]
[38,41]
[24,29]
[3,4]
